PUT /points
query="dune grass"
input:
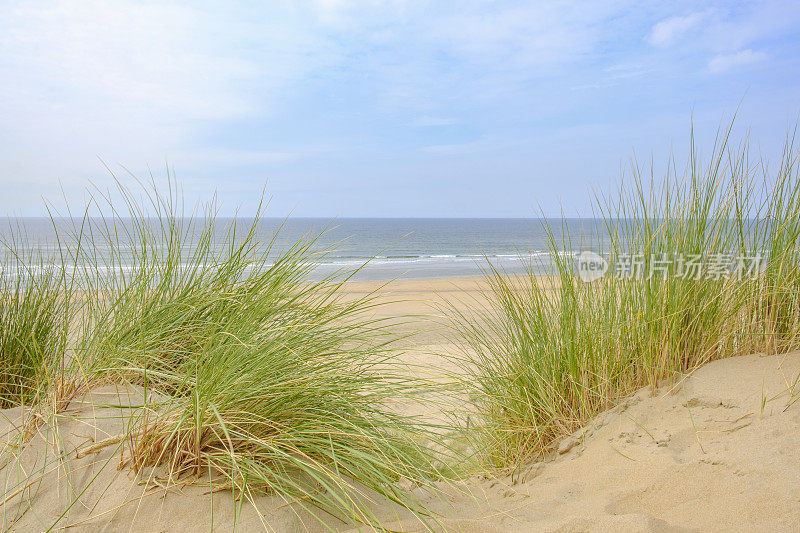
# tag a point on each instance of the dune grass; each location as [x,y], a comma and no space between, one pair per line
[702,266]
[264,379]
[34,303]
[258,376]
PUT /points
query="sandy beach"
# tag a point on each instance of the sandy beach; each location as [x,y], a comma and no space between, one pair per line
[341,265]
[713,452]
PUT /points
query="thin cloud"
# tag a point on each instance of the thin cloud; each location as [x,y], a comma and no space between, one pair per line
[724,62]
[669,31]
[243,91]
[433,121]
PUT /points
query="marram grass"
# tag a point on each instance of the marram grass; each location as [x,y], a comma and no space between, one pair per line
[34,303]
[267,380]
[549,352]
[256,373]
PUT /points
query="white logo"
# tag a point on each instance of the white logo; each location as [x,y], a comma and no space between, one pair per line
[591,266]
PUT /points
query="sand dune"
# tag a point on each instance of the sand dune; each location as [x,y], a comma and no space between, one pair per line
[699,455]
[717,451]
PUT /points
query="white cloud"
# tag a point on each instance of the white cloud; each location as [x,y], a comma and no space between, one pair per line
[528,35]
[670,30]
[723,62]
[135,83]
[140,82]
[427,121]
[228,156]
[450,149]
[119,53]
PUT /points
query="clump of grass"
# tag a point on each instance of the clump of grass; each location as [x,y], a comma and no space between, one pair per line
[33,322]
[267,379]
[775,304]
[550,352]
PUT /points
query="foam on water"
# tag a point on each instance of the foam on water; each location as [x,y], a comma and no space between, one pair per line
[391,248]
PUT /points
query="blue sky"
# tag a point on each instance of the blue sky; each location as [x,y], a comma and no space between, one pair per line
[370,108]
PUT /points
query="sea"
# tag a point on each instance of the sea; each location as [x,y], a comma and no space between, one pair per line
[389,248]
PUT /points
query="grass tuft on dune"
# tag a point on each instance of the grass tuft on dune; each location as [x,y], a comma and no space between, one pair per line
[258,378]
[34,303]
[550,352]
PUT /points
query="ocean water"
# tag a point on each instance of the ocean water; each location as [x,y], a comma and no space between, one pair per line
[390,248]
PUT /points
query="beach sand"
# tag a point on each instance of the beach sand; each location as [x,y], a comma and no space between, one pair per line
[717,451]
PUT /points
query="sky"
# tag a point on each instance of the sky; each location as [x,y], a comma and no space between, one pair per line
[382,108]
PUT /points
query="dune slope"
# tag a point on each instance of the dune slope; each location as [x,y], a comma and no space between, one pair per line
[718,451]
